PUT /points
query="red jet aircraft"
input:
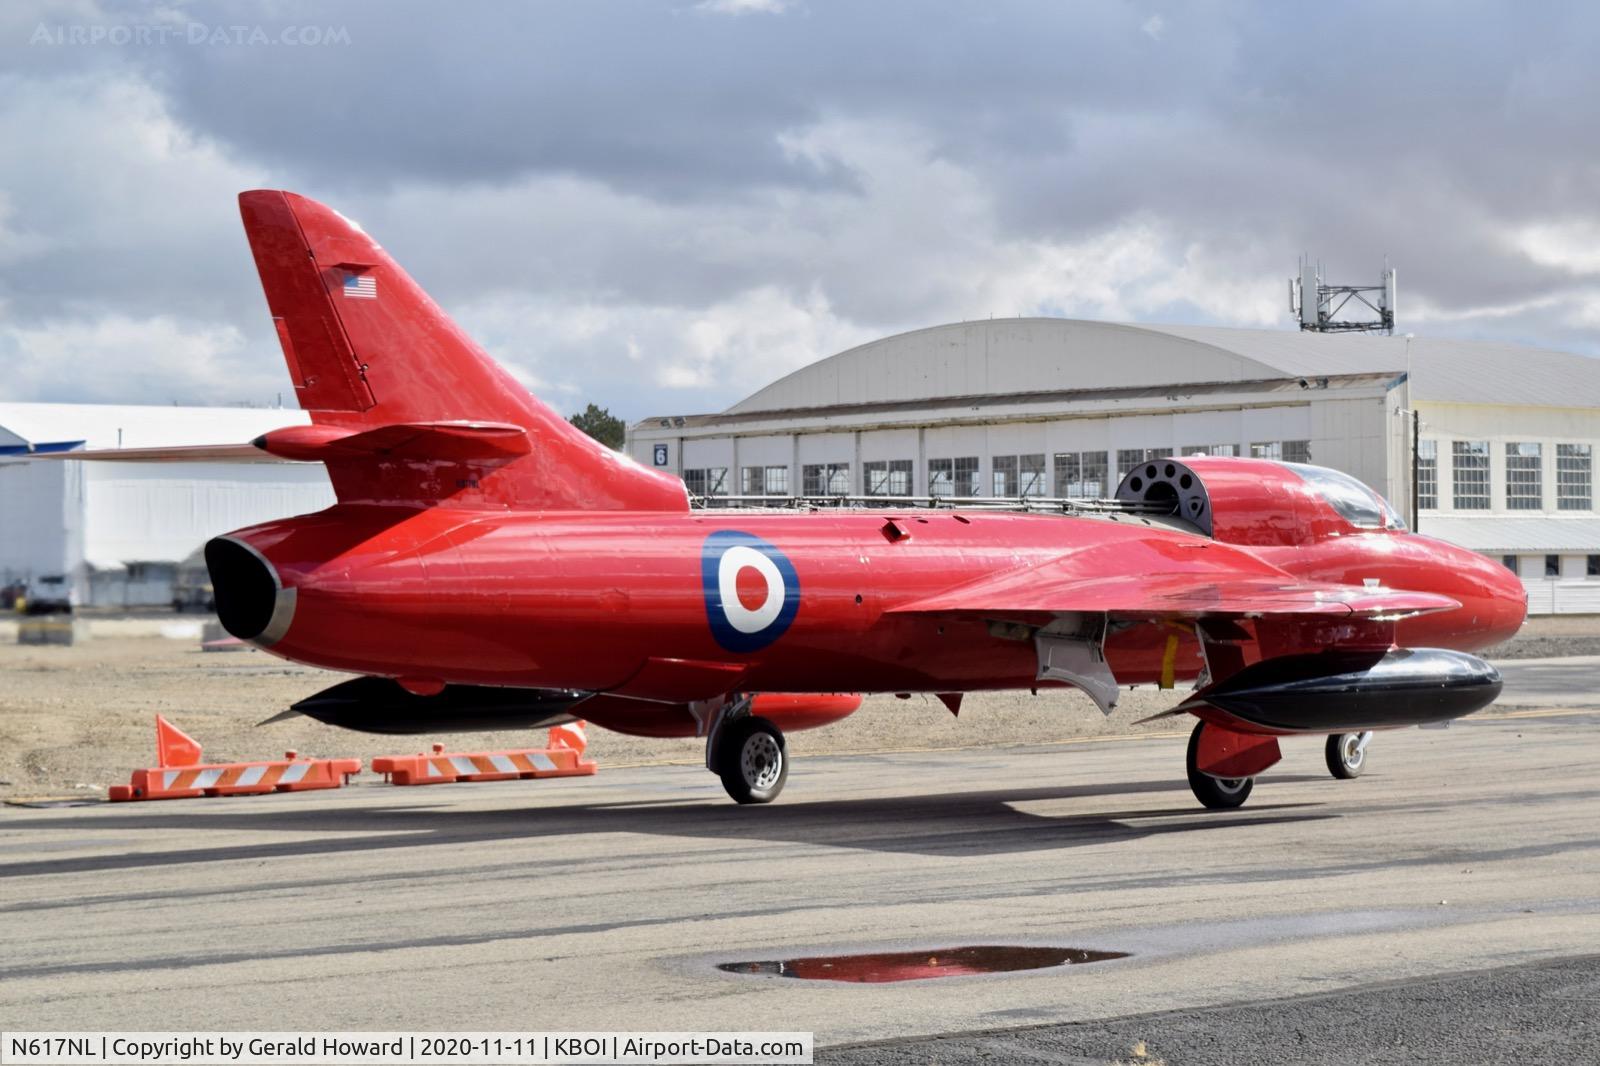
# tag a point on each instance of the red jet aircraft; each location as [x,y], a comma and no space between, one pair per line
[487,564]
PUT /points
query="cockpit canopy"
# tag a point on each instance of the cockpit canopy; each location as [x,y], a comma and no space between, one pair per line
[1349,496]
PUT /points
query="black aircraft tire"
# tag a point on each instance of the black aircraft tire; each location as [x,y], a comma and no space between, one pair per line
[1345,761]
[1218,794]
[752,760]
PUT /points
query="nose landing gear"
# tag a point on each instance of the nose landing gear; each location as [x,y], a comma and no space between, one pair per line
[1347,754]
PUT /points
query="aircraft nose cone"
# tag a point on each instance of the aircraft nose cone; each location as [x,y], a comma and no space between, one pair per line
[1511,599]
[1496,595]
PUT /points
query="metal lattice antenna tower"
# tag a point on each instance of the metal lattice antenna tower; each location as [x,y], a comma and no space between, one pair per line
[1319,306]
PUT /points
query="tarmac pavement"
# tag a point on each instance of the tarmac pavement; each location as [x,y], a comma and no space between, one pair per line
[1463,867]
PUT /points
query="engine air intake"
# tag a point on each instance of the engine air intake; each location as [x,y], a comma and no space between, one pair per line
[1166,486]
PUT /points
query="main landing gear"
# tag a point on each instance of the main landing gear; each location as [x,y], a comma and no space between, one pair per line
[750,756]
[1347,754]
[1218,793]
[1223,764]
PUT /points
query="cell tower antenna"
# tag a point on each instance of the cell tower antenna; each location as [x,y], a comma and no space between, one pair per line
[1319,306]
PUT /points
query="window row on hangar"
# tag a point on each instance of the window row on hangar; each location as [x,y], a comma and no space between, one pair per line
[1060,475]
[1532,475]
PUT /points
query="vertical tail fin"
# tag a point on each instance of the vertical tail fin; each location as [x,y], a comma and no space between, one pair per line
[368,349]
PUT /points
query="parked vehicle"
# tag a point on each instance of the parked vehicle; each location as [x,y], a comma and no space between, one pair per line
[51,594]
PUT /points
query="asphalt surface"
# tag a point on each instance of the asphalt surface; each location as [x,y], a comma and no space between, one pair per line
[1443,908]
[1568,682]
[1543,1012]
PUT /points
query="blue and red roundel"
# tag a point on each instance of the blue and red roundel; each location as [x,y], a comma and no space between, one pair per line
[752,592]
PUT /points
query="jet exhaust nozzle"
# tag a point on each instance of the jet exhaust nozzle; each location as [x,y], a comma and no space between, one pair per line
[252,603]
[379,705]
[1346,691]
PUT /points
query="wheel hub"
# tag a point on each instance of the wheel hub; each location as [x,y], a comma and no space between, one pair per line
[761,761]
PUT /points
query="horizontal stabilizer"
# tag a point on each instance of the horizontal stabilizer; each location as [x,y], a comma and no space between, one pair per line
[423,441]
[452,441]
[181,453]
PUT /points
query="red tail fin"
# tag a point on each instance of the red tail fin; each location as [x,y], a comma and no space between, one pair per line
[367,349]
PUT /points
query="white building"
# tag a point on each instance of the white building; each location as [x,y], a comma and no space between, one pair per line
[1057,407]
[119,530]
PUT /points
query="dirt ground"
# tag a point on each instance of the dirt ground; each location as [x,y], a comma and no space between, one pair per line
[1549,636]
[74,720]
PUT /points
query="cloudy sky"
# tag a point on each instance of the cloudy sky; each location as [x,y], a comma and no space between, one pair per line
[661,206]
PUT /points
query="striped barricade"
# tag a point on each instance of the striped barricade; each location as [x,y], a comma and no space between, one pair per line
[291,774]
[443,768]
[181,775]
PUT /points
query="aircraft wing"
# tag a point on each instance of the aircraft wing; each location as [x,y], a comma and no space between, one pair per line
[1158,578]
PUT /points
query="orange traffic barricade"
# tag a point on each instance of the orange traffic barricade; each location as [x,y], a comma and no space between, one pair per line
[562,758]
[181,774]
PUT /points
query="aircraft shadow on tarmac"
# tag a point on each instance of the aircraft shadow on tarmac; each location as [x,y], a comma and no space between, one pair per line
[979,823]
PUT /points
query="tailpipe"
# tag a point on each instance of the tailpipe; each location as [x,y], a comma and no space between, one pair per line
[252,603]
[1349,692]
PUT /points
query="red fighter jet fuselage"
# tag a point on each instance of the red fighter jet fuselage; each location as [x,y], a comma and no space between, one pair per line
[484,552]
[671,606]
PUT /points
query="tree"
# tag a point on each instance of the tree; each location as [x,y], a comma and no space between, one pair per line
[600,424]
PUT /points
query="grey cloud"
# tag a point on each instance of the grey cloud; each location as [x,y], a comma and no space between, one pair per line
[650,165]
[646,96]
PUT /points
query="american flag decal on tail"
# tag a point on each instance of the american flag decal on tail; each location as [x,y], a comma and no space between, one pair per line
[361,286]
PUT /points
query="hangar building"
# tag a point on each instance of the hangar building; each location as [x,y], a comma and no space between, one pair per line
[120,531]
[1062,408]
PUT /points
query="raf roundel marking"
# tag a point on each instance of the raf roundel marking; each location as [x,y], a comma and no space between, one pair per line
[730,560]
